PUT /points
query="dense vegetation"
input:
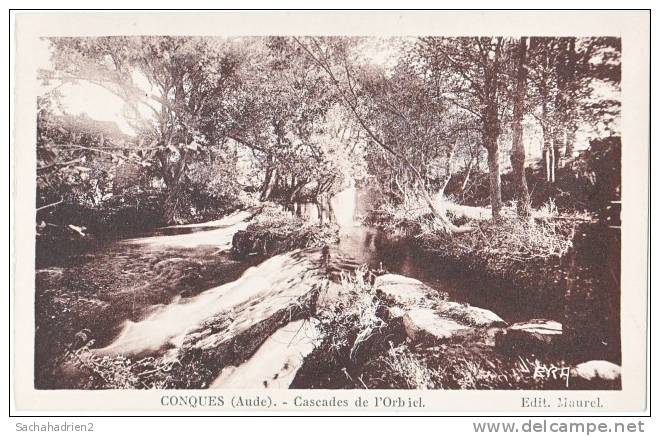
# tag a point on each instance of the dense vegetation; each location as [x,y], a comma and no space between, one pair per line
[218,123]
[497,156]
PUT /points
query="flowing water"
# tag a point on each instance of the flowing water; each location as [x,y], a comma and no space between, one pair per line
[143,295]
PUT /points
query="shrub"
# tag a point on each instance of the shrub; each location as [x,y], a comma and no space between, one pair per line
[275,230]
[354,318]
[119,372]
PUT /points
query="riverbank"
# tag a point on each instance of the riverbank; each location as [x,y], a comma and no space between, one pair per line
[178,309]
[510,253]
[275,230]
[568,263]
[394,332]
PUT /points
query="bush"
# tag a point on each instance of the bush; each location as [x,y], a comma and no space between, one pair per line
[275,230]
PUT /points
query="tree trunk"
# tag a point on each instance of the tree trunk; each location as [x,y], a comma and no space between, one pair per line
[491,131]
[548,152]
[570,140]
[264,186]
[328,207]
[269,184]
[319,211]
[172,174]
[571,100]
[170,206]
[467,177]
[296,190]
[552,159]
[442,216]
[494,179]
[517,146]
[559,145]
[321,207]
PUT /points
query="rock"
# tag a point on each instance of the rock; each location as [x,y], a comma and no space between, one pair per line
[276,362]
[423,323]
[230,338]
[489,335]
[260,241]
[466,314]
[405,291]
[395,312]
[224,326]
[531,335]
[597,370]
[542,328]
[246,242]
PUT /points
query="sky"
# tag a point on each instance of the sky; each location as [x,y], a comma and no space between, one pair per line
[97,102]
[100,104]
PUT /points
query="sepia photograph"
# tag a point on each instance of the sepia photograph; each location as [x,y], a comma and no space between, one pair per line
[342,212]
[330,213]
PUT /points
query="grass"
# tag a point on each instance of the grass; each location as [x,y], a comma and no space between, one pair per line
[407,367]
[275,230]
[365,347]
[525,253]
[519,239]
[118,371]
[354,318]
[522,240]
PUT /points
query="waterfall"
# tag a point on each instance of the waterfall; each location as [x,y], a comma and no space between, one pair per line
[343,206]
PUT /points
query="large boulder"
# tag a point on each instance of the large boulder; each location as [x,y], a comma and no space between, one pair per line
[530,336]
[597,370]
[425,324]
[470,315]
[405,291]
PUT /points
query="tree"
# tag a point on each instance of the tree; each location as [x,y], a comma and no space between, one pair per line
[470,71]
[335,57]
[517,146]
[288,116]
[571,82]
[77,157]
[168,85]
[544,77]
[407,112]
[566,98]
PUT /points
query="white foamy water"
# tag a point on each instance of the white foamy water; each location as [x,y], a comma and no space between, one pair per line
[276,362]
[273,284]
[343,206]
[220,237]
[229,220]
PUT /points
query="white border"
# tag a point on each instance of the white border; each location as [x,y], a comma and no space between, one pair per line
[633,28]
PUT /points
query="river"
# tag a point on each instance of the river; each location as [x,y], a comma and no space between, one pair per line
[140,296]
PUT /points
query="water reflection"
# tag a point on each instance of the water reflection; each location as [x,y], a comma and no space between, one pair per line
[380,251]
